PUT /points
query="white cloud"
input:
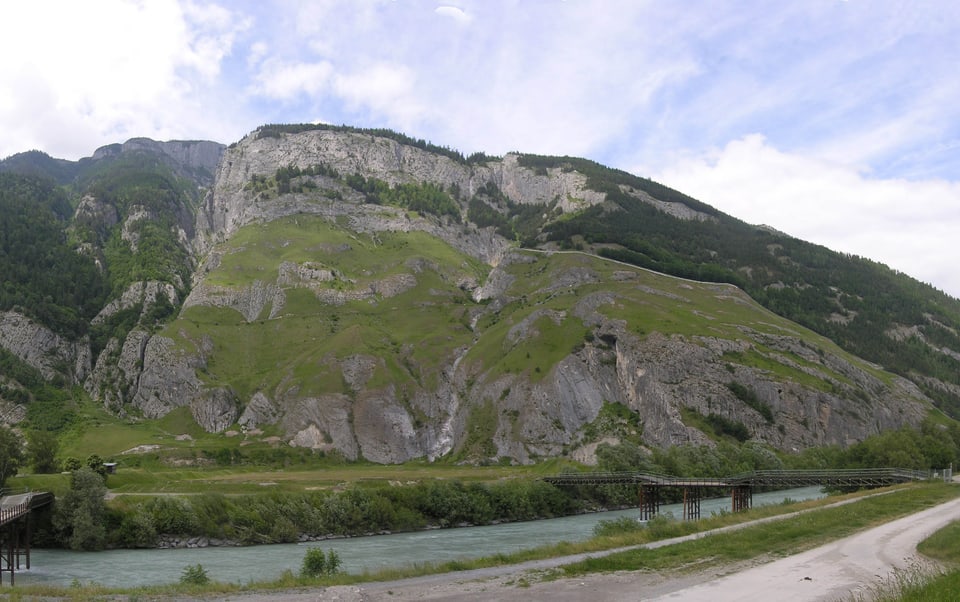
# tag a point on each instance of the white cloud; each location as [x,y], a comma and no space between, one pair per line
[858,93]
[908,225]
[386,90]
[288,81]
[85,74]
[455,13]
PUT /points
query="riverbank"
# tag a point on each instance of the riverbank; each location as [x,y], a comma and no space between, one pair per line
[838,570]
[361,555]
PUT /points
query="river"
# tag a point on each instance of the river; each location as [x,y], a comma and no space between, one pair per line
[132,568]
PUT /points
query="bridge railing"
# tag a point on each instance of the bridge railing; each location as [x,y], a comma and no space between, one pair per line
[639,478]
[12,513]
[840,477]
[844,476]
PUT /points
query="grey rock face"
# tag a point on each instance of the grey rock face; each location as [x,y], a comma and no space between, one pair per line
[43,349]
[146,293]
[231,206]
[96,214]
[214,409]
[658,377]
[199,158]
[169,378]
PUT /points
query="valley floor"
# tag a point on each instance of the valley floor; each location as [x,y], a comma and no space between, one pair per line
[841,570]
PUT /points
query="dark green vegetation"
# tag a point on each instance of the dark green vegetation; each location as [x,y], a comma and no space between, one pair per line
[851,300]
[932,446]
[50,256]
[489,207]
[424,198]
[317,564]
[81,521]
[43,275]
[276,130]
[72,240]
[143,184]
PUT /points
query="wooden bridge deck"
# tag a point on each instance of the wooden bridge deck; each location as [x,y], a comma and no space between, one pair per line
[871,477]
[740,486]
[15,528]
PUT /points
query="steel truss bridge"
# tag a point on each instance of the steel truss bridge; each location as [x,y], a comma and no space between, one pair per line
[16,527]
[741,486]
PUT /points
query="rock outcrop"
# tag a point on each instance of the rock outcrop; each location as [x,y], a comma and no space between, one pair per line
[471,347]
[52,355]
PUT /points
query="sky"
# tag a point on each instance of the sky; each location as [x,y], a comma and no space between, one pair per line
[834,121]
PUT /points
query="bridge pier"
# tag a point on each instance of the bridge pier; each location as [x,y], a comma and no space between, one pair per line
[10,550]
[741,497]
[691,503]
[649,501]
[16,529]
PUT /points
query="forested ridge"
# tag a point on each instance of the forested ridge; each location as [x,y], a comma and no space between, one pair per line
[868,309]
[43,274]
[61,269]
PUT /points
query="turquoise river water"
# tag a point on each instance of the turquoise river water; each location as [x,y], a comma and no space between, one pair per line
[131,568]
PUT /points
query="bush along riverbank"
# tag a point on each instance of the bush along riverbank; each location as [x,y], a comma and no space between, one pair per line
[81,520]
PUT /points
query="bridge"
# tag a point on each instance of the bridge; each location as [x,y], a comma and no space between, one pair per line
[740,486]
[16,526]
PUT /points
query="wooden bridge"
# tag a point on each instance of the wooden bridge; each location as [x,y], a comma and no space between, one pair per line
[16,526]
[740,486]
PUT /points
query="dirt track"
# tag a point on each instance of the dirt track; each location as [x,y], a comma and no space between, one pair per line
[835,571]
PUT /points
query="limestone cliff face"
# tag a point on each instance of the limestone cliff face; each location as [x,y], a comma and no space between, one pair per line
[52,355]
[525,354]
[659,377]
[230,206]
[196,159]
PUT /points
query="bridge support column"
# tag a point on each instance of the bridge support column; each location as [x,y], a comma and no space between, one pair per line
[691,503]
[742,497]
[649,501]
[9,560]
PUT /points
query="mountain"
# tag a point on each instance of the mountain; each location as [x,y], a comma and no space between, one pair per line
[364,292]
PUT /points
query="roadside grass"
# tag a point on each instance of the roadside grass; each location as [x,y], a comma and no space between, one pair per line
[919,585]
[779,538]
[944,545]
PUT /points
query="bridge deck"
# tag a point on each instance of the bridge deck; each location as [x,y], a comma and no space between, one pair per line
[872,477]
[15,528]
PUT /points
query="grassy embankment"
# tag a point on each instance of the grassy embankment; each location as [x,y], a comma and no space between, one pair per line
[824,522]
[918,585]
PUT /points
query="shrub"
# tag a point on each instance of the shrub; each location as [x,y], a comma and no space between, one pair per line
[79,516]
[194,575]
[662,526]
[624,524]
[136,530]
[317,564]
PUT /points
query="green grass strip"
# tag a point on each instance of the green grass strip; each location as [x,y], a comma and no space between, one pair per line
[776,539]
[814,527]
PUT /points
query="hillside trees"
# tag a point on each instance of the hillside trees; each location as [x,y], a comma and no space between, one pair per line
[43,276]
[424,198]
[852,300]
[11,454]
[42,448]
[80,515]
